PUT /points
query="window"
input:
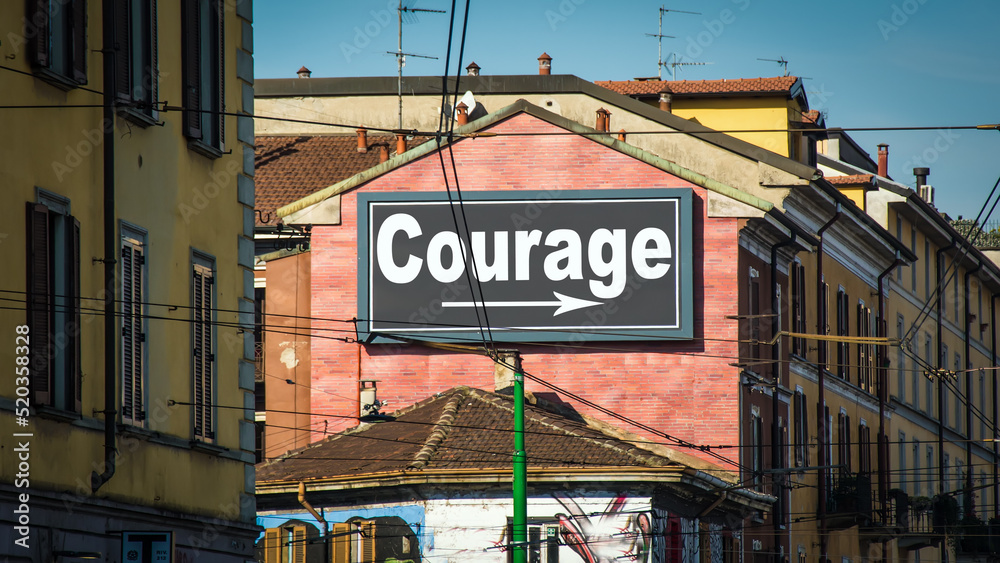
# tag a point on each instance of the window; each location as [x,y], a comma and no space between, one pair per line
[757,449]
[917,475]
[204,73]
[983,506]
[901,472]
[866,361]
[843,348]
[954,284]
[798,308]
[801,423]
[824,322]
[754,312]
[57,40]
[136,74]
[203,332]
[133,321]
[900,360]
[899,237]
[927,269]
[864,448]
[543,542]
[960,486]
[962,392]
[828,432]
[929,479]
[982,406]
[917,372]
[913,267]
[844,441]
[946,466]
[928,355]
[943,365]
[53,302]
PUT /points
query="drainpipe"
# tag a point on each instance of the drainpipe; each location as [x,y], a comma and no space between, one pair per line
[939,307]
[996,411]
[968,386]
[110,244]
[821,317]
[319,518]
[776,354]
[883,387]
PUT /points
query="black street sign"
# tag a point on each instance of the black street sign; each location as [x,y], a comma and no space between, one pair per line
[562,265]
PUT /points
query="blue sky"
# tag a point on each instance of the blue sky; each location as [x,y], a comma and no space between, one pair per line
[869,63]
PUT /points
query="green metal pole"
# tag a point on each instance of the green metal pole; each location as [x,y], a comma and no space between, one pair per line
[520,529]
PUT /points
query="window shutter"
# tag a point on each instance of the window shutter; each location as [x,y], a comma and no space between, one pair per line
[367,542]
[272,545]
[39,305]
[133,339]
[221,50]
[154,72]
[123,50]
[298,544]
[203,352]
[341,543]
[75,347]
[191,54]
[38,16]
[78,17]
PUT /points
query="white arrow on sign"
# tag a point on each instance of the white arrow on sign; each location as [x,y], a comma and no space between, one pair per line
[564,303]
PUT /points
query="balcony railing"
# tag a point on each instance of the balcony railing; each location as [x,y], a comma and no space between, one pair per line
[850,501]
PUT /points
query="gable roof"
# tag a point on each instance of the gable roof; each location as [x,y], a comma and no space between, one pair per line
[741,86]
[464,437]
[470,429]
[472,130]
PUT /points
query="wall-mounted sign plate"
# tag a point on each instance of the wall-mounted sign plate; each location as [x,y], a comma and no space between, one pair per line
[563,265]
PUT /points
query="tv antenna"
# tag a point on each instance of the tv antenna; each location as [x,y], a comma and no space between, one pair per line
[406,12]
[675,63]
[781,61]
[659,39]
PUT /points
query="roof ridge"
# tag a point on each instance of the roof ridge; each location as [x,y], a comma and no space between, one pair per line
[440,430]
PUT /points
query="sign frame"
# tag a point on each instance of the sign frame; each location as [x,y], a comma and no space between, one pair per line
[683,249]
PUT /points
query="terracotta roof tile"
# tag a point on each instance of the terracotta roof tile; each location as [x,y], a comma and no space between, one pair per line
[776,85]
[811,116]
[851,180]
[290,167]
[466,428]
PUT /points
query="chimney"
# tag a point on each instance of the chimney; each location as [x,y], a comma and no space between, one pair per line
[383,152]
[603,119]
[545,64]
[883,160]
[666,99]
[921,175]
[503,375]
[362,139]
[304,72]
[621,135]
[463,113]
[472,69]
[400,143]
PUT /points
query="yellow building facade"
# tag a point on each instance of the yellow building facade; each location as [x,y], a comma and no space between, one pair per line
[126,216]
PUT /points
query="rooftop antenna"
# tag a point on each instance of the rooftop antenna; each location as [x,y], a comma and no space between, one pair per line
[409,11]
[675,63]
[659,40]
[781,61]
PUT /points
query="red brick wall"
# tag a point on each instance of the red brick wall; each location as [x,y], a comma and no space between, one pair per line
[686,389]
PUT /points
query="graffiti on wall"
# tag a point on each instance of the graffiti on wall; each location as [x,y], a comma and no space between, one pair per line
[613,535]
